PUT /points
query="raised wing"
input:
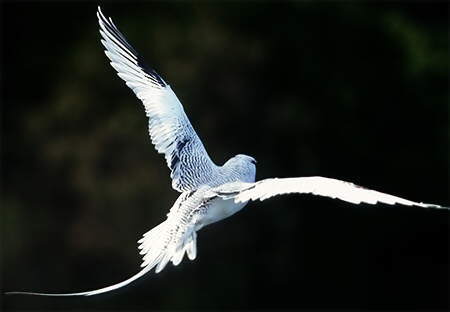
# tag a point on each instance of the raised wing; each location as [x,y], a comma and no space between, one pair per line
[169,128]
[327,187]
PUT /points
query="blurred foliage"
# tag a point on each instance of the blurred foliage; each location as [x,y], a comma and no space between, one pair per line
[356,91]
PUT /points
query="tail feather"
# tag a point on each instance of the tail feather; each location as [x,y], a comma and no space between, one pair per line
[178,256]
[177,251]
[191,247]
[158,247]
[86,293]
[151,238]
[165,259]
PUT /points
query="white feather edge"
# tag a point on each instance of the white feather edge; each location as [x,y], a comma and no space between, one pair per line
[322,186]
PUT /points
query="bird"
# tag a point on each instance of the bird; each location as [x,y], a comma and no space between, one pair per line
[209,193]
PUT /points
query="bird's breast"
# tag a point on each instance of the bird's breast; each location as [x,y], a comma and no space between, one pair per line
[219,209]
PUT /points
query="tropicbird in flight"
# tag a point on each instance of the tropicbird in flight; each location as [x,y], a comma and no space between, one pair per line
[209,193]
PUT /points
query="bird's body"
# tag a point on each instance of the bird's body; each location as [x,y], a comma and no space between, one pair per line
[197,208]
[191,212]
[209,193]
[204,205]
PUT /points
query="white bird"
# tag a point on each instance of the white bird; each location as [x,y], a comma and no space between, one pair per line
[209,193]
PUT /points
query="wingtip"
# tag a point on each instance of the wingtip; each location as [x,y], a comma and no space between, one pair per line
[100,16]
[433,206]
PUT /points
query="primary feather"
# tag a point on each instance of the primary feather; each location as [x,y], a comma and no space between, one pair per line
[169,127]
[327,187]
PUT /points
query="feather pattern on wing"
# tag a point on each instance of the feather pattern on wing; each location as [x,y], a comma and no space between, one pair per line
[169,128]
[327,187]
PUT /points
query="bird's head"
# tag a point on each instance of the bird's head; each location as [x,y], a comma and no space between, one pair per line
[246,158]
[244,165]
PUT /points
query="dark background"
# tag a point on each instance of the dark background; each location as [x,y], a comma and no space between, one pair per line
[355,91]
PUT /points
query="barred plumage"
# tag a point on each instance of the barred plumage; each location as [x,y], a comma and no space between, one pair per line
[209,192]
[169,128]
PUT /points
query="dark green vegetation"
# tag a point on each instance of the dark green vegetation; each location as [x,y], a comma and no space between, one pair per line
[356,92]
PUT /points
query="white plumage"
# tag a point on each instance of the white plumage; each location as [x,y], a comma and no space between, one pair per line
[209,192]
[327,187]
[169,128]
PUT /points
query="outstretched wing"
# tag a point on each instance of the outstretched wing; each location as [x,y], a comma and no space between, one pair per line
[169,128]
[327,187]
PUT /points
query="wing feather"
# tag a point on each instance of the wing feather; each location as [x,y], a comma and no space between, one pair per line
[169,127]
[321,186]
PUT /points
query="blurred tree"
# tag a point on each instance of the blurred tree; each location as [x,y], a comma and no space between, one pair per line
[357,91]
